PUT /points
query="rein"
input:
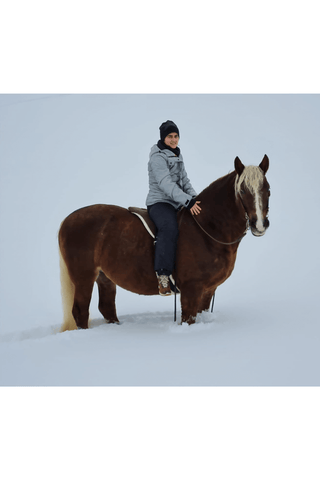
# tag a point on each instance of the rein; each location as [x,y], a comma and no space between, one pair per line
[225,243]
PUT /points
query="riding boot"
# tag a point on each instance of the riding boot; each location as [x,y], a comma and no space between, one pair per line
[163,285]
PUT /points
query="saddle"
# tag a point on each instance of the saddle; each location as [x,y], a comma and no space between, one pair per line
[142,213]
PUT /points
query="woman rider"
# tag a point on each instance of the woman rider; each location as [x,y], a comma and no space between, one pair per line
[169,190]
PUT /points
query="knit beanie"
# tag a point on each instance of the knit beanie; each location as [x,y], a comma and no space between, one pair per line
[168,127]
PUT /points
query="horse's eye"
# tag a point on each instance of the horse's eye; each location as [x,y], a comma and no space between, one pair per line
[242,192]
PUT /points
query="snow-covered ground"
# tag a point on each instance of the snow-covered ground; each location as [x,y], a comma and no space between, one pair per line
[147,349]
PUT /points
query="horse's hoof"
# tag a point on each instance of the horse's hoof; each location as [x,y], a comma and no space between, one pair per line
[188,322]
[191,321]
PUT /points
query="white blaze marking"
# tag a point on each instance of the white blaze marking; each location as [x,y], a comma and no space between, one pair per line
[258,205]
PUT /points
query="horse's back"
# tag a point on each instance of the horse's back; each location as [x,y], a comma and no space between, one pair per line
[93,215]
[91,220]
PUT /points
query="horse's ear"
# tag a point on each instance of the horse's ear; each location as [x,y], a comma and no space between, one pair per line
[238,165]
[264,165]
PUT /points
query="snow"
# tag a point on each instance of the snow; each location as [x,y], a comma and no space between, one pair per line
[150,350]
[61,152]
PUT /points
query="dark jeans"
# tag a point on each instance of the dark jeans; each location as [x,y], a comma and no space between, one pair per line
[164,216]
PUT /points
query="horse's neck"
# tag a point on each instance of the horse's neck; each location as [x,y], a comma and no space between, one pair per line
[220,195]
[219,204]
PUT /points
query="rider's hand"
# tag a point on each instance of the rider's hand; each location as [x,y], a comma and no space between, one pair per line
[196,209]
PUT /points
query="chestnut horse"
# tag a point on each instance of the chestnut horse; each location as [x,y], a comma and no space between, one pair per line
[109,245]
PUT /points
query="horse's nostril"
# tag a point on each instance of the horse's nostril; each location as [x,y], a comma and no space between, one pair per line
[266,223]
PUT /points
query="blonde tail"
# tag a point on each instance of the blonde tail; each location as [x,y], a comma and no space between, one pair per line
[67,294]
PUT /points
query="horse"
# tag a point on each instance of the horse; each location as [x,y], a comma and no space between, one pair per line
[109,245]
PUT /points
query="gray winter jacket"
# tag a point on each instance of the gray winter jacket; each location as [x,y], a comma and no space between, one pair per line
[168,180]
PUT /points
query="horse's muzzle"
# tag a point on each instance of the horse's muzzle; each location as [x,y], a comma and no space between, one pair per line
[259,233]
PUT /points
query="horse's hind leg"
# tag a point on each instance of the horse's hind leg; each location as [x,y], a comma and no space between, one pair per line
[82,298]
[107,295]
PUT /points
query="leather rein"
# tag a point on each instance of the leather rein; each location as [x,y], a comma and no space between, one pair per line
[225,243]
[228,243]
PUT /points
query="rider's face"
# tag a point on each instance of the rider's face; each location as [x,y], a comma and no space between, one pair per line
[172,140]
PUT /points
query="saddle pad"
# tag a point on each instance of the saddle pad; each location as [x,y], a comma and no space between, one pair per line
[142,213]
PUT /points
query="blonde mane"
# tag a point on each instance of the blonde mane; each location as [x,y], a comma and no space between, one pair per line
[252,177]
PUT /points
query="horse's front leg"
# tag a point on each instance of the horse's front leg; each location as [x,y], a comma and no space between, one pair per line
[190,302]
[205,302]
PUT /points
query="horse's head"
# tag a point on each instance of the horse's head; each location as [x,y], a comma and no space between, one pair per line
[252,188]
